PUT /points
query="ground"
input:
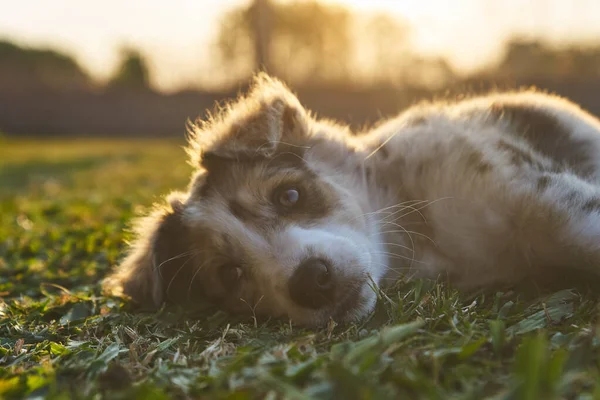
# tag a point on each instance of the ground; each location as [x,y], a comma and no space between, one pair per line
[64,213]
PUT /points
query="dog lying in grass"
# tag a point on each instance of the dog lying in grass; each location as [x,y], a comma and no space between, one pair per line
[290,216]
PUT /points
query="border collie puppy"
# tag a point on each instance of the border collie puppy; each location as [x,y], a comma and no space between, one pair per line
[290,216]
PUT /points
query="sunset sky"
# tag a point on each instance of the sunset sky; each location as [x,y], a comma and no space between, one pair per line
[175,33]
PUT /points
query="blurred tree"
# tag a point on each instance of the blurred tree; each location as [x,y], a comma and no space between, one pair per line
[132,72]
[260,13]
[527,59]
[297,41]
[33,68]
[385,46]
[431,73]
[312,42]
[235,48]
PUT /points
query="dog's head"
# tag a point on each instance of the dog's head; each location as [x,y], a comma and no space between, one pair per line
[276,219]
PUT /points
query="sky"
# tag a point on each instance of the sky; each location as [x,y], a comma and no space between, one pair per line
[174,34]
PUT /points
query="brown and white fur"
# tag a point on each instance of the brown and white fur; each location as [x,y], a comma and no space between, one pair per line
[489,190]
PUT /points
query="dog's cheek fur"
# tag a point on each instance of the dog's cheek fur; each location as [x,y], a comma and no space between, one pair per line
[154,258]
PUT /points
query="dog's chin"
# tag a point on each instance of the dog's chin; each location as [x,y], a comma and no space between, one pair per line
[352,307]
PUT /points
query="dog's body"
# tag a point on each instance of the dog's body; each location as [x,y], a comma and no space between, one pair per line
[290,216]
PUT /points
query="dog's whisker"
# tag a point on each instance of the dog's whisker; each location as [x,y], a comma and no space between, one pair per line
[177,273]
[381,145]
[410,232]
[198,269]
[387,209]
[285,143]
[412,243]
[158,268]
[384,265]
[398,245]
[286,153]
[187,253]
[425,206]
[411,207]
[400,257]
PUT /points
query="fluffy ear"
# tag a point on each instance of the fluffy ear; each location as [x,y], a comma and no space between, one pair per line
[255,125]
[160,249]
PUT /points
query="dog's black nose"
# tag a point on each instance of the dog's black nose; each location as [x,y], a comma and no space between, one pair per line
[312,284]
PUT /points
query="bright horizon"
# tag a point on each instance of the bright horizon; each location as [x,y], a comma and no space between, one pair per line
[469,33]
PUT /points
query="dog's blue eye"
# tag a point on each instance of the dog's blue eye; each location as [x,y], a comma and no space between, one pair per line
[288,197]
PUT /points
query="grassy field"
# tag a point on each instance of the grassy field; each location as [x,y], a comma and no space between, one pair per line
[64,211]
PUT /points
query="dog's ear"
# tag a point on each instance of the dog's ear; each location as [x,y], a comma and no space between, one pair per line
[254,126]
[160,249]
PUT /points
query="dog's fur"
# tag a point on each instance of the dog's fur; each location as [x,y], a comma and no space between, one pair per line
[487,190]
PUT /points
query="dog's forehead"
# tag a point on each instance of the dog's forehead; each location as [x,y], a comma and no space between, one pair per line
[234,179]
[233,198]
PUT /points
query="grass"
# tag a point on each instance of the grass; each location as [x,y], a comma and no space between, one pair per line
[64,211]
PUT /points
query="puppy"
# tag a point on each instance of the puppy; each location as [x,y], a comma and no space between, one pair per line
[290,216]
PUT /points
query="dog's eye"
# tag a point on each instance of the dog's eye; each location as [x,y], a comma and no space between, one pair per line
[287,196]
[230,275]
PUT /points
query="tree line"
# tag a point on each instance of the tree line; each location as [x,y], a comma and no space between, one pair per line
[356,68]
[306,43]
[28,68]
